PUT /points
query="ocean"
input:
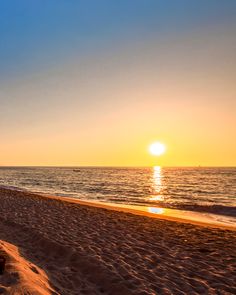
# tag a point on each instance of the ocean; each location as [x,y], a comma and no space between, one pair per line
[208,191]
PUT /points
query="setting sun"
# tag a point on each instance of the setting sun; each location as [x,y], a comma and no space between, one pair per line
[157,148]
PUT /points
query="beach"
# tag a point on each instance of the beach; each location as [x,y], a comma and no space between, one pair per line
[56,246]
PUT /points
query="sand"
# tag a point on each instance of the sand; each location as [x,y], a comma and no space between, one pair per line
[58,247]
[22,276]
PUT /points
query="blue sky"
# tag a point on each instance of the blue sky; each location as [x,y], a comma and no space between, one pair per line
[34,33]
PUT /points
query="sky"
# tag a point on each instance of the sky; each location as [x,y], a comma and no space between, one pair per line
[94,83]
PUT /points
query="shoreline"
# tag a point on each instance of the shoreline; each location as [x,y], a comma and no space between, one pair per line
[170,215]
[192,217]
[89,249]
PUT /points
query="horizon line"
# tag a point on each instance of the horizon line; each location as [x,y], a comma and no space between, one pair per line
[116,166]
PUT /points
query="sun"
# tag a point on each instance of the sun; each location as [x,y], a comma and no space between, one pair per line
[157,149]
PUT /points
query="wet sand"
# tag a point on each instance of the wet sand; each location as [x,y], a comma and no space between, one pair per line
[54,246]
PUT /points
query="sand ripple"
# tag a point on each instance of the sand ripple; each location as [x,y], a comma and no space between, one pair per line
[88,250]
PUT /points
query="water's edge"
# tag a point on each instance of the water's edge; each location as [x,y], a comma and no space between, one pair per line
[186,216]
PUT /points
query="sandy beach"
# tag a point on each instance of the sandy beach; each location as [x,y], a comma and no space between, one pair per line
[58,247]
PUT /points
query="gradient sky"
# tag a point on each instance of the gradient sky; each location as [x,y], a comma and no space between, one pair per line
[95,82]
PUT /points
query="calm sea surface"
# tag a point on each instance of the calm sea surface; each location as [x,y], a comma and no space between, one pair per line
[204,190]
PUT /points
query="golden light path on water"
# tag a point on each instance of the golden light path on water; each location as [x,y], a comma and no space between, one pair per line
[158,187]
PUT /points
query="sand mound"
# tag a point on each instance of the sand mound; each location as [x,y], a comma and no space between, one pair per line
[21,276]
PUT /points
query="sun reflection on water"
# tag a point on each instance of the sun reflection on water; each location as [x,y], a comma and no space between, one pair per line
[157,184]
[156,210]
